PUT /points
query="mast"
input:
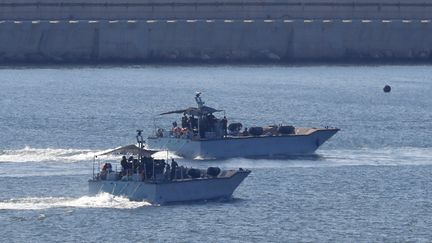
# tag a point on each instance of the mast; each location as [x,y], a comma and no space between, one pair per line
[140,141]
[199,100]
[200,104]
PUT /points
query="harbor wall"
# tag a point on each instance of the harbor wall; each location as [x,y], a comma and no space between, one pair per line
[101,36]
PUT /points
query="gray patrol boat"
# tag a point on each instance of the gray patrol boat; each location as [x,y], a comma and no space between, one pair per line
[155,181]
[203,136]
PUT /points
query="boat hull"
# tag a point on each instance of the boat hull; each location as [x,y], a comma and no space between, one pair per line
[259,146]
[171,191]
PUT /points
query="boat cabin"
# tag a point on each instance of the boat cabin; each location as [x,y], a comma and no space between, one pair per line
[137,164]
[200,123]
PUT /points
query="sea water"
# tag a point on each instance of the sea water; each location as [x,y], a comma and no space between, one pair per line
[371,182]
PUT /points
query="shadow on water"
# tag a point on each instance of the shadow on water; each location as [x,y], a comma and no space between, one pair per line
[308,157]
[257,162]
[217,201]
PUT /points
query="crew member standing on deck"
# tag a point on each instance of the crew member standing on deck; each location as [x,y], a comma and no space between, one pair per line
[193,122]
[184,121]
[167,174]
[124,165]
[245,132]
[225,125]
[174,166]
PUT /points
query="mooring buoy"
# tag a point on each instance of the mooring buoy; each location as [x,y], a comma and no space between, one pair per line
[387,88]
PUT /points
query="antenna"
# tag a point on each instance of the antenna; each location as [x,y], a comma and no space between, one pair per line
[140,139]
[199,100]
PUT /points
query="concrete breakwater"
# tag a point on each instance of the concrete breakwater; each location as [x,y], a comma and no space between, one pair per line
[223,36]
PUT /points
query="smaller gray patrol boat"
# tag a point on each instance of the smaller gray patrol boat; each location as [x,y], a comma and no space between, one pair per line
[155,181]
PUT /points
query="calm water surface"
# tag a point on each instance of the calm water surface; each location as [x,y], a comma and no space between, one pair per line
[370,182]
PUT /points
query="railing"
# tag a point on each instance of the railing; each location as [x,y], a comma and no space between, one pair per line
[173,9]
[218,4]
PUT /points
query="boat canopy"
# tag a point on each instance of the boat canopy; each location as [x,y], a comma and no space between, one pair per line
[204,110]
[129,150]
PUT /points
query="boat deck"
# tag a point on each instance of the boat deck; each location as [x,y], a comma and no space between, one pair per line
[224,174]
[299,131]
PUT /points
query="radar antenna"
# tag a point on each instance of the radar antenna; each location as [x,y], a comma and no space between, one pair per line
[199,100]
[140,139]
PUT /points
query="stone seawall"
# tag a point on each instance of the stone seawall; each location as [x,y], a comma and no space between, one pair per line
[223,40]
[209,30]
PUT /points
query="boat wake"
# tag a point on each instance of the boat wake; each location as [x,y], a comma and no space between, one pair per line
[382,156]
[102,200]
[324,157]
[165,155]
[29,154]
[340,157]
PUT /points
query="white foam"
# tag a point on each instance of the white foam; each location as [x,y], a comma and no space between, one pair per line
[29,154]
[382,156]
[165,155]
[333,157]
[204,158]
[103,200]
[340,157]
